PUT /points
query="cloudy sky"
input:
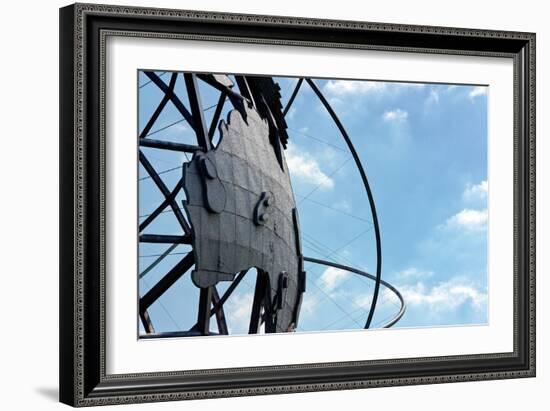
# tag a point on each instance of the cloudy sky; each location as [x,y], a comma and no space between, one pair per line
[424,149]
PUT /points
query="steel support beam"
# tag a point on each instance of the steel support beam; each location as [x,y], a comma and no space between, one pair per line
[258,302]
[146,321]
[160,107]
[220,315]
[164,239]
[293,96]
[175,100]
[164,190]
[216,118]
[203,317]
[168,145]
[194,96]
[167,281]
[161,207]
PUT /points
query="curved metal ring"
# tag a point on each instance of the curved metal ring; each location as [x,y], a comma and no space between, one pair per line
[326,104]
[371,277]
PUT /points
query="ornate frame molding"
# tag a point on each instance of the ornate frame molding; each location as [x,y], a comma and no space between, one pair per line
[82,345]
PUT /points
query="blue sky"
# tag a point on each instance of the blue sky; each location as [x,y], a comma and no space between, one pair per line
[424,149]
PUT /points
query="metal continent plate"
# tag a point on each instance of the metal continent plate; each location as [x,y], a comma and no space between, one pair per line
[243,214]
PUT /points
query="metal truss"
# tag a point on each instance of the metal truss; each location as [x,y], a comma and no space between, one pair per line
[260,94]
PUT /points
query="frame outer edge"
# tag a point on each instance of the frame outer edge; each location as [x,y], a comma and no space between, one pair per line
[67,220]
[79,153]
[73,190]
[531,136]
[292,21]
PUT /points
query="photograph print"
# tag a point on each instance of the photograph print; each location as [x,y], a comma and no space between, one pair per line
[287,204]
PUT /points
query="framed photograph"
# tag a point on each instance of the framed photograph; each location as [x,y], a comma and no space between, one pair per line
[260,204]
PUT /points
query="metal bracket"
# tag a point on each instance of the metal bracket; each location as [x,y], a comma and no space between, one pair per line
[213,189]
[262,208]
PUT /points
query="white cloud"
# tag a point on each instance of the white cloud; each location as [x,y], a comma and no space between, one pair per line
[238,312]
[177,128]
[476,191]
[433,98]
[347,87]
[446,296]
[405,86]
[334,102]
[343,205]
[291,113]
[363,301]
[469,219]
[309,304]
[396,115]
[477,91]
[339,88]
[414,272]
[331,277]
[306,169]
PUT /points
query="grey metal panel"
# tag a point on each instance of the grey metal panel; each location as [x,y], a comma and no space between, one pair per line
[230,239]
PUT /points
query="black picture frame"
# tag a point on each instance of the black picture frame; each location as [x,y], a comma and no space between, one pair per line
[83,381]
